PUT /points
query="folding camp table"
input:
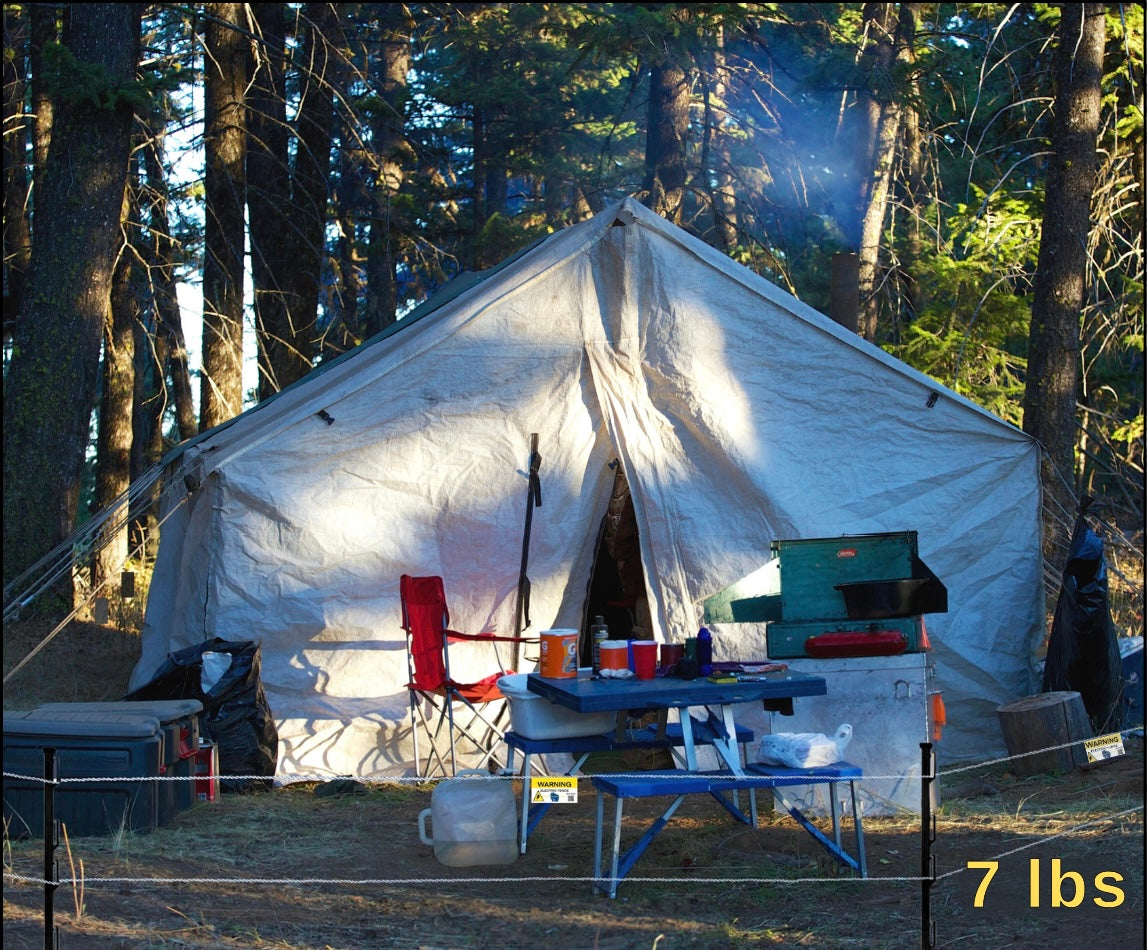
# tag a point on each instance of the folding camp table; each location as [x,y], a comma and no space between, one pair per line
[712,702]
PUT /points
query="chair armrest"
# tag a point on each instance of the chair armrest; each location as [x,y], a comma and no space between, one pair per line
[455,635]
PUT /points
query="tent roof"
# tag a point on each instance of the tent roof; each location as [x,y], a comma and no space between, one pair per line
[314,388]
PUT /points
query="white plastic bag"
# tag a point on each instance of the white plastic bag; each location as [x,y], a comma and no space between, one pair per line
[804,750]
[214,666]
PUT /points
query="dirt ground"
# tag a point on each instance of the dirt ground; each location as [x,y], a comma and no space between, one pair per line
[362,879]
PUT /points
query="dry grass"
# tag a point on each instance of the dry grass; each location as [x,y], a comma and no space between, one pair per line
[778,890]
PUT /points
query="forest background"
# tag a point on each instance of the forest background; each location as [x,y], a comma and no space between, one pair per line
[318,170]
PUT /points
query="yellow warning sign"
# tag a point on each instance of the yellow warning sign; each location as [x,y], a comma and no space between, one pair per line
[559,790]
[1104,747]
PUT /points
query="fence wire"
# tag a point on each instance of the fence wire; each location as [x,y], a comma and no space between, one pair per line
[692,879]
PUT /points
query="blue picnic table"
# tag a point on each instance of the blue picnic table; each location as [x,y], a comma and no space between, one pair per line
[716,701]
[584,693]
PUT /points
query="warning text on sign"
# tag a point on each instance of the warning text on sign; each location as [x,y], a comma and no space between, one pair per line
[553,790]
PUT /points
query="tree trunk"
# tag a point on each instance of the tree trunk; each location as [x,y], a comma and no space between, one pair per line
[269,192]
[149,397]
[916,288]
[225,185]
[392,152]
[490,183]
[52,378]
[878,183]
[862,128]
[17,235]
[303,273]
[171,356]
[872,223]
[1061,272]
[478,197]
[160,352]
[289,206]
[666,139]
[23,36]
[114,438]
[43,17]
[497,189]
[351,207]
[717,161]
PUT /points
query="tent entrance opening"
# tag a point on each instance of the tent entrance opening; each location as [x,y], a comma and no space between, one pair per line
[617,582]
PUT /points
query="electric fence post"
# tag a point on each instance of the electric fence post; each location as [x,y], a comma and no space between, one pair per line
[51,877]
[927,837]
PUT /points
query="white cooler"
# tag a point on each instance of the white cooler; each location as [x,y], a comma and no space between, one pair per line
[535,717]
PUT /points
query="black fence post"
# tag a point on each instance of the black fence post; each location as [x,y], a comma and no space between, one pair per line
[51,878]
[927,836]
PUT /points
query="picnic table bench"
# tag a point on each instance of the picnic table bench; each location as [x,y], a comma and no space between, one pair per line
[679,783]
[667,735]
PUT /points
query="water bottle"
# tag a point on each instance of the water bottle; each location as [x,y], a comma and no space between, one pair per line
[704,652]
[598,633]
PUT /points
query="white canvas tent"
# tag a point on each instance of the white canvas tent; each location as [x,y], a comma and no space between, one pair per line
[739,415]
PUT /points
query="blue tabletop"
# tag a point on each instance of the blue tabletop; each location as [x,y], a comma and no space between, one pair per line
[584,694]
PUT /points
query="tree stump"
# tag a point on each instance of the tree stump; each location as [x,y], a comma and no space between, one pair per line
[1042,721]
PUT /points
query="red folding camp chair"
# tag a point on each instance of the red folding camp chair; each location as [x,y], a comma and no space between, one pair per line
[426,620]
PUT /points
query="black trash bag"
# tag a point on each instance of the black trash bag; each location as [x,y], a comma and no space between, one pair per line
[236,716]
[1083,653]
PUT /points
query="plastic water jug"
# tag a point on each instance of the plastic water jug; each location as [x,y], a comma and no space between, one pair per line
[473,821]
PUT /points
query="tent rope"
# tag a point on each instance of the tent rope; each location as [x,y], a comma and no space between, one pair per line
[87,602]
[58,562]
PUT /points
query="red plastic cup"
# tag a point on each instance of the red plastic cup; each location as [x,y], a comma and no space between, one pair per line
[644,659]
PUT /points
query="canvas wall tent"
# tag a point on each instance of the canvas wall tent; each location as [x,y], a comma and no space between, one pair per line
[739,414]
